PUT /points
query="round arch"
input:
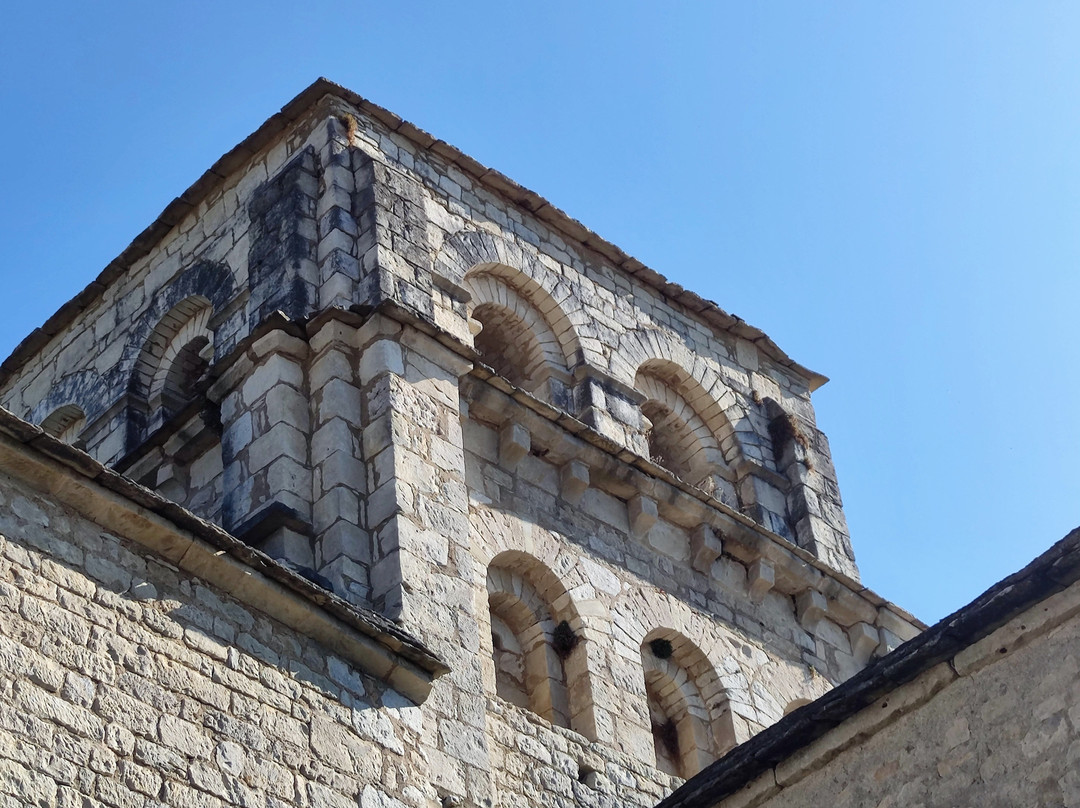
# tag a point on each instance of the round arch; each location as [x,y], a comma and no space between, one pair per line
[471,252]
[516,338]
[65,423]
[537,634]
[175,353]
[692,721]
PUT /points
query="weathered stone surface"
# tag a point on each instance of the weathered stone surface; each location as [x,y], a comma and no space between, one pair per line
[304,355]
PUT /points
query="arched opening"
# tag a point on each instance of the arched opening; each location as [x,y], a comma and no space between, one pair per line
[516,335]
[174,359]
[672,442]
[183,375]
[508,345]
[678,437]
[171,372]
[65,423]
[537,647]
[688,709]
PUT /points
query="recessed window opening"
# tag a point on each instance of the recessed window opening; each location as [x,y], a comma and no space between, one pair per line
[538,650]
[187,369]
[509,347]
[672,444]
[65,423]
[689,715]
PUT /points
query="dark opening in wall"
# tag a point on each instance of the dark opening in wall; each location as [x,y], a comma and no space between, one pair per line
[184,374]
[661,648]
[564,640]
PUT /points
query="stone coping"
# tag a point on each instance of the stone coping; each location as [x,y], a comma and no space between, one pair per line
[951,641]
[493,180]
[371,642]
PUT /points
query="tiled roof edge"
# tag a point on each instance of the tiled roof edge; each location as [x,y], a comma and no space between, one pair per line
[371,624]
[1051,572]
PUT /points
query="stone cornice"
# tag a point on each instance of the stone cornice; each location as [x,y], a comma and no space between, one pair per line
[369,641]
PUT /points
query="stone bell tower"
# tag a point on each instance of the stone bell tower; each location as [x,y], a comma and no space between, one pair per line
[601,499]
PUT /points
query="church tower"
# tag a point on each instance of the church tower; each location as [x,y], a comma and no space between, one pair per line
[601,501]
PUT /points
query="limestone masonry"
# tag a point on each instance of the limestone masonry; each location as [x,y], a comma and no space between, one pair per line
[441,500]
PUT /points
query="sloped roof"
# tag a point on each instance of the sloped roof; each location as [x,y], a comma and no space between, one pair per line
[543,210]
[81,473]
[1053,571]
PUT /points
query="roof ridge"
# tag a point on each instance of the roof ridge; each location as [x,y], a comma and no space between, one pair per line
[233,159]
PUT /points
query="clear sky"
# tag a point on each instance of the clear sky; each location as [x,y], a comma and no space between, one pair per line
[891,191]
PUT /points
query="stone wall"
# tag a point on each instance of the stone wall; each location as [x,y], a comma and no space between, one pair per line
[998,724]
[127,682]
[603,503]
[340,211]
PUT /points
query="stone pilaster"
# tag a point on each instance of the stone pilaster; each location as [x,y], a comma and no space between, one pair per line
[424,574]
[343,551]
[266,430]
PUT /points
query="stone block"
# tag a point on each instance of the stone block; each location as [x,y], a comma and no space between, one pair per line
[338,503]
[811,606]
[705,547]
[339,399]
[282,440]
[279,342]
[341,468]
[288,405]
[573,481]
[286,476]
[761,577]
[514,443]
[381,356]
[642,513]
[332,364]
[864,640]
[276,370]
[344,539]
[888,619]
[888,642]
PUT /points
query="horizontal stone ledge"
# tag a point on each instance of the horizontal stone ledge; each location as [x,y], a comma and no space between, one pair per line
[372,643]
[621,473]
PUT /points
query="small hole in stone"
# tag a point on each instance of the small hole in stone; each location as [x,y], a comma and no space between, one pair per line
[564,640]
[661,648]
[1003,650]
[583,773]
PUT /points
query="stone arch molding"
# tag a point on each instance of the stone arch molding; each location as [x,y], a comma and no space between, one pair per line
[172,348]
[476,252]
[515,337]
[213,282]
[709,394]
[689,693]
[85,390]
[65,423]
[535,545]
[707,657]
[530,608]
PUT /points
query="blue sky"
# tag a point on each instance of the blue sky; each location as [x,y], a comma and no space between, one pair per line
[891,191]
